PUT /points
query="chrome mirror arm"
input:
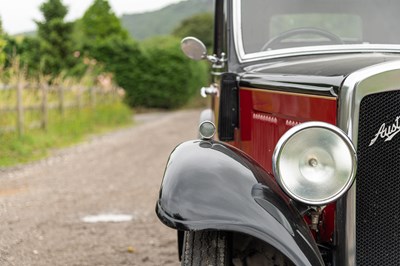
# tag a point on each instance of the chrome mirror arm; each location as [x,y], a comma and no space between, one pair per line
[212,90]
[218,62]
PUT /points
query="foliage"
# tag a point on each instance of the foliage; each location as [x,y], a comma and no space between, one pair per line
[97,25]
[99,35]
[66,130]
[2,46]
[162,22]
[10,49]
[122,57]
[29,50]
[55,38]
[154,74]
[199,26]
[166,78]
[99,22]
[78,37]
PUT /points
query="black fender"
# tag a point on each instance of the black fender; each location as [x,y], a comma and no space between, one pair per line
[214,186]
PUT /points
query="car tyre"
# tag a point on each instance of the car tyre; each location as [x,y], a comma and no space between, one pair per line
[205,248]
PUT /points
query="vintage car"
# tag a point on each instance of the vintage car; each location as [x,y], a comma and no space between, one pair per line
[298,158]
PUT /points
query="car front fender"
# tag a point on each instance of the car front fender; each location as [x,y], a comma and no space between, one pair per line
[210,185]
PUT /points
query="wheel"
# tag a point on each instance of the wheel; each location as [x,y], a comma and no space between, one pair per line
[334,39]
[212,248]
[205,248]
[249,251]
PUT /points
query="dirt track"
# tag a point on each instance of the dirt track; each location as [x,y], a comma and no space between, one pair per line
[42,205]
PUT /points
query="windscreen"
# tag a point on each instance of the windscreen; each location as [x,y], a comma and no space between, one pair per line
[281,24]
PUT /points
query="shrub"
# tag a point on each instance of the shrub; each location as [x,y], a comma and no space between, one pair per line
[156,74]
[168,79]
[122,57]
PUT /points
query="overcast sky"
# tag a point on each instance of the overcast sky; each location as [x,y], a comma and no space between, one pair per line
[18,15]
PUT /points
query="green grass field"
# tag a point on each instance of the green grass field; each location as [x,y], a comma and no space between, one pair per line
[72,127]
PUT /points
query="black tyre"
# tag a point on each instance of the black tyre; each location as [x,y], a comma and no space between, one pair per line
[205,248]
[249,251]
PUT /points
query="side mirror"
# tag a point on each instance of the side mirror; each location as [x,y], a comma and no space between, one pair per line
[194,48]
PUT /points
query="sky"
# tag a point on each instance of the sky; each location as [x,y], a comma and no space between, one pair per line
[17,15]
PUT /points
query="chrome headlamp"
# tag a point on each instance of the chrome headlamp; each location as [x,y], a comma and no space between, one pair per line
[314,163]
[207,130]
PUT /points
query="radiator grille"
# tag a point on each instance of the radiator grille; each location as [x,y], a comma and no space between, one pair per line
[378,181]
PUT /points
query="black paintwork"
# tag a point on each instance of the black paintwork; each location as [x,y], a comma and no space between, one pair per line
[219,27]
[211,185]
[228,119]
[317,75]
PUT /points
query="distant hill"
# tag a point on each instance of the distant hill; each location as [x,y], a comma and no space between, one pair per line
[25,34]
[159,22]
[163,21]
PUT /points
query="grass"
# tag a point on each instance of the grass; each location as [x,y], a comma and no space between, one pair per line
[72,127]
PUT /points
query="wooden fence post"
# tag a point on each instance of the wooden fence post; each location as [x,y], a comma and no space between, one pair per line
[44,106]
[61,106]
[116,97]
[79,98]
[20,108]
[92,96]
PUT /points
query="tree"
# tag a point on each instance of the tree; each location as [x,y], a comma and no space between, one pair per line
[199,26]
[29,50]
[55,38]
[99,23]
[104,39]
[2,46]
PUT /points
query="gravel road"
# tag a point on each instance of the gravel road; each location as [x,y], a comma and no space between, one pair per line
[44,206]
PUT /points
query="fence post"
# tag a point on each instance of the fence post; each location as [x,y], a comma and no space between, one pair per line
[61,99]
[20,107]
[79,98]
[44,106]
[92,96]
[113,94]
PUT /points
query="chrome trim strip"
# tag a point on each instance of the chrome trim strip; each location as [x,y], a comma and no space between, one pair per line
[237,29]
[374,79]
[333,98]
[309,50]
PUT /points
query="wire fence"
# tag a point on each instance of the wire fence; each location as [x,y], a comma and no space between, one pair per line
[20,99]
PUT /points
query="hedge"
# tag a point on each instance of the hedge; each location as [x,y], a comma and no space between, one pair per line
[167,79]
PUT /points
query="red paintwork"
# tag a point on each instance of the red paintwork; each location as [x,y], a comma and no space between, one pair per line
[266,115]
[327,226]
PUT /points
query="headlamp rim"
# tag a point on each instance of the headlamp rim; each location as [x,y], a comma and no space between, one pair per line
[293,131]
[214,130]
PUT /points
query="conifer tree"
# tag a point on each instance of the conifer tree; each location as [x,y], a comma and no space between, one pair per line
[55,38]
[100,23]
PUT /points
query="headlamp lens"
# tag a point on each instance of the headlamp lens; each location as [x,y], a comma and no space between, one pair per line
[315,163]
[207,130]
